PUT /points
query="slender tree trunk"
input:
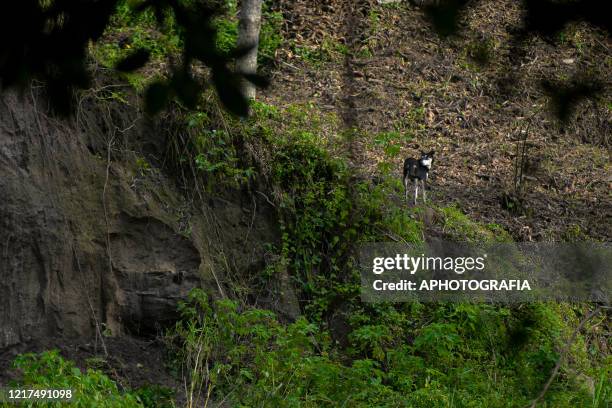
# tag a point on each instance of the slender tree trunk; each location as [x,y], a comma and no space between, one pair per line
[248,36]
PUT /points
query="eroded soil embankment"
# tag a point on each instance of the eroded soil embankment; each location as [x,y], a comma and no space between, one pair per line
[93,242]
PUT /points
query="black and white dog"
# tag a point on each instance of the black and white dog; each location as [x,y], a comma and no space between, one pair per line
[417,170]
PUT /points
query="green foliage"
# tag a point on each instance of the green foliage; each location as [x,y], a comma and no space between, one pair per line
[91,388]
[270,34]
[438,340]
[394,355]
[131,30]
[391,142]
[270,38]
[316,204]
[210,150]
[463,355]
[458,226]
[324,211]
[216,156]
[573,233]
[142,165]
[155,396]
[329,50]
[253,360]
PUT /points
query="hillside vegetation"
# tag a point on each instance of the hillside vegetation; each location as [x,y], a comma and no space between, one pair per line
[355,88]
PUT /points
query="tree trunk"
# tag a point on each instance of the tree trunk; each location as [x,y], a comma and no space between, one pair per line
[248,36]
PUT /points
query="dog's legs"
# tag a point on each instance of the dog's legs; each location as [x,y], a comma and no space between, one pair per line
[406,189]
[424,193]
[416,190]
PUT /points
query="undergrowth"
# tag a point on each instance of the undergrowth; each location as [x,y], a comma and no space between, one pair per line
[459,226]
[90,388]
[342,351]
[387,355]
[131,29]
[270,38]
[459,355]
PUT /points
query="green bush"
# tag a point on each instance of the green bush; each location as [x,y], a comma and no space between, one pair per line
[48,370]
[464,355]
[131,29]
[249,359]
[412,355]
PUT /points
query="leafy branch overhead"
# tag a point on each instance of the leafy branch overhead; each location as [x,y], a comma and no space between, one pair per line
[50,44]
[542,17]
[48,39]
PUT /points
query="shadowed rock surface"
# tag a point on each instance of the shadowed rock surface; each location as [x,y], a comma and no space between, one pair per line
[90,243]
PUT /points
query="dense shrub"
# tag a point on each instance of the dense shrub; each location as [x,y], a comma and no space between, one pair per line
[92,388]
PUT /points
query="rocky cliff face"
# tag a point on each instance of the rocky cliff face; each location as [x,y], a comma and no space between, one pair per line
[90,240]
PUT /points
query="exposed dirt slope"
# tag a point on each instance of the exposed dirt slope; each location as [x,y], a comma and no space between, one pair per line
[382,68]
[97,242]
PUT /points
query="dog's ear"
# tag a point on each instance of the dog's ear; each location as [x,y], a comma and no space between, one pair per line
[431,153]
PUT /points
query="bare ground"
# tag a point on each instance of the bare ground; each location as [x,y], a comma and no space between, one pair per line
[382,68]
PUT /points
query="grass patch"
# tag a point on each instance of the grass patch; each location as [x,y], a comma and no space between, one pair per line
[330,50]
[460,227]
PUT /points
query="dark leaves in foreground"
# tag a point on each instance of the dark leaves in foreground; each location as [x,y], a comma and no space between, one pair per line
[47,40]
[549,17]
[156,96]
[257,80]
[135,60]
[444,15]
[544,18]
[565,96]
